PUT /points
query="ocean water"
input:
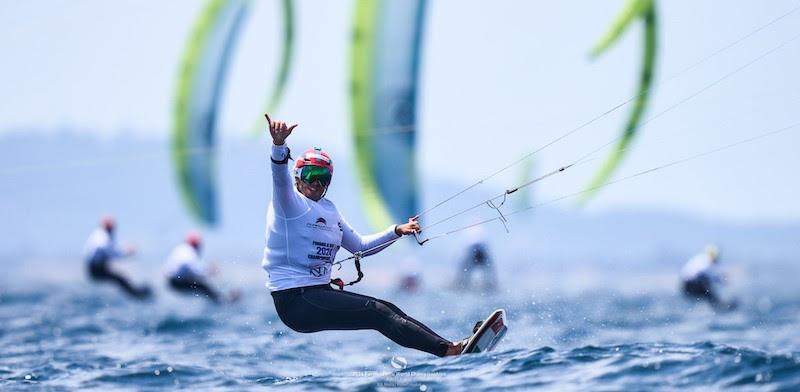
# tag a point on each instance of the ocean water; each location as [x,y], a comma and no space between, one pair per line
[71,335]
[591,298]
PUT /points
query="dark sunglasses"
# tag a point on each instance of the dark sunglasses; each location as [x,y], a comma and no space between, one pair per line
[311,174]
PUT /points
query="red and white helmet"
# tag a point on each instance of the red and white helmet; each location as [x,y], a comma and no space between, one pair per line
[194,239]
[313,157]
[108,222]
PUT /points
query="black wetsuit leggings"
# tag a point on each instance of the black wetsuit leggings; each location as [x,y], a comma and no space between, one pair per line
[195,287]
[101,271]
[701,288]
[321,308]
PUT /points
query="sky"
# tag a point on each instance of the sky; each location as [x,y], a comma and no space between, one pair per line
[498,80]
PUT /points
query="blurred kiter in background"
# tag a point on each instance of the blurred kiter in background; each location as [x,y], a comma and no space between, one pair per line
[476,260]
[699,275]
[101,248]
[410,278]
[186,274]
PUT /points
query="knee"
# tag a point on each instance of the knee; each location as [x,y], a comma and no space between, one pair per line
[380,307]
[388,306]
[387,313]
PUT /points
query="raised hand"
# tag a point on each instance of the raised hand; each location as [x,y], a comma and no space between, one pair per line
[408,228]
[279,130]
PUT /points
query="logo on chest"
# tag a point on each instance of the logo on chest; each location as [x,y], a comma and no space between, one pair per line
[319,224]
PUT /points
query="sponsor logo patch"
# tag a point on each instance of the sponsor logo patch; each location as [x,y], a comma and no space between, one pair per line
[319,224]
[319,270]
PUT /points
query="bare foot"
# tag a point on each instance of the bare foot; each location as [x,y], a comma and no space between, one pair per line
[456,348]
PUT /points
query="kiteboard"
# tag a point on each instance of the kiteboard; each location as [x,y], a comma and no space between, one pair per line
[488,333]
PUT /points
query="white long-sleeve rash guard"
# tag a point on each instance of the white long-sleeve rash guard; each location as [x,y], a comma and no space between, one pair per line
[303,235]
[184,263]
[101,247]
[698,266]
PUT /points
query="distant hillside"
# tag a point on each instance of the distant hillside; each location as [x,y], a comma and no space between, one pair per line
[54,188]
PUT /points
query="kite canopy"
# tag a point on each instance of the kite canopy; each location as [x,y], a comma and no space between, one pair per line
[634,9]
[200,85]
[384,69]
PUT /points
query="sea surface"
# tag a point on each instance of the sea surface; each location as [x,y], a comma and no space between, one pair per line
[628,334]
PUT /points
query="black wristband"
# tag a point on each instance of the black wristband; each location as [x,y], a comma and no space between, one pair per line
[284,160]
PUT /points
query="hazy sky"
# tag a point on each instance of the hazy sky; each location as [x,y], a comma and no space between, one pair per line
[499,79]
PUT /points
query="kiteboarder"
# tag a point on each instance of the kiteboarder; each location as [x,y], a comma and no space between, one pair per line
[410,278]
[304,232]
[699,275]
[477,257]
[100,249]
[185,272]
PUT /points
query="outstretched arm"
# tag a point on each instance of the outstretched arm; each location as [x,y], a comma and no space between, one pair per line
[285,201]
[374,243]
[115,251]
[717,275]
[126,251]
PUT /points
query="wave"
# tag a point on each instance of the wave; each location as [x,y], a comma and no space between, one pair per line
[628,366]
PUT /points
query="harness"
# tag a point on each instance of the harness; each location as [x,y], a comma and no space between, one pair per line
[340,283]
